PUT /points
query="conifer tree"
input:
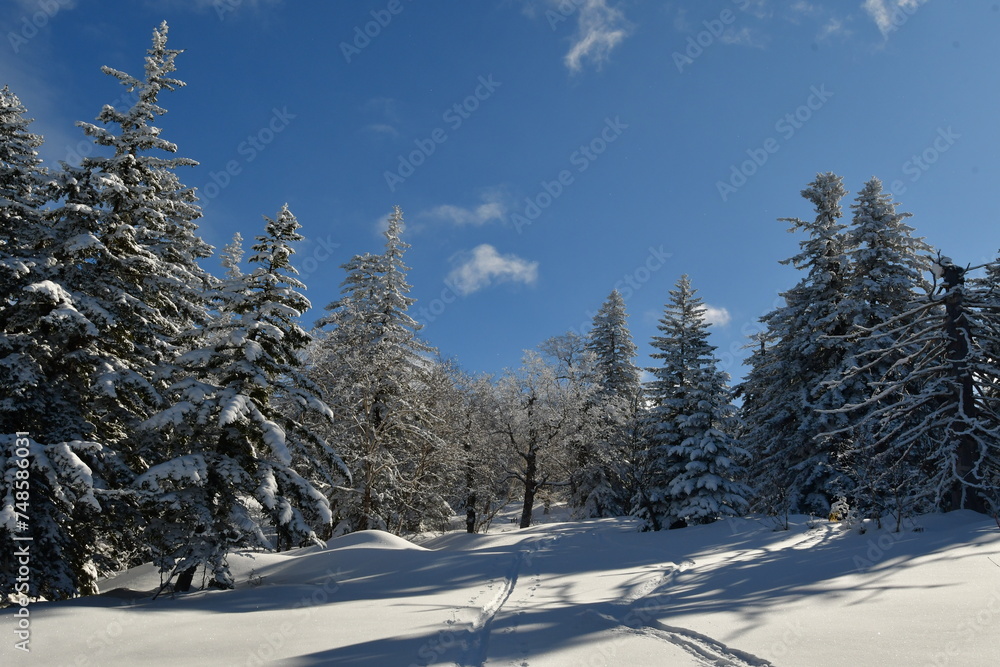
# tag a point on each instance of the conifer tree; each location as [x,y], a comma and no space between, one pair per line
[23,194]
[128,254]
[610,341]
[46,484]
[25,248]
[606,485]
[887,266]
[372,367]
[934,424]
[114,281]
[231,447]
[787,404]
[692,452]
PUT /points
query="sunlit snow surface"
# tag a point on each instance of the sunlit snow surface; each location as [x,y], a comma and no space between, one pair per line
[560,594]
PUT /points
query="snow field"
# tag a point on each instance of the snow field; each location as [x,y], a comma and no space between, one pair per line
[736,593]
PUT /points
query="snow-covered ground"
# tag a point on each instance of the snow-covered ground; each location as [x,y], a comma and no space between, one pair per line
[596,592]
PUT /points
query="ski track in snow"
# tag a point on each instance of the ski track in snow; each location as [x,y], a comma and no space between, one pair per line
[481,628]
[705,649]
[631,618]
[628,616]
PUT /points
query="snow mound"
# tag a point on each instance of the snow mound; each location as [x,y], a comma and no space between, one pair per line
[137,581]
[372,539]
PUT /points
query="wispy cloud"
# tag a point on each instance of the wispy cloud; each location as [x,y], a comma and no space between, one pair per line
[681,21]
[804,7]
[384,109]
[492,209]
[484,266]
[468,216]
[600,28]
[886,12]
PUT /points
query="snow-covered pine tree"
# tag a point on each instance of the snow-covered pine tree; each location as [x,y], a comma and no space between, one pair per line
[610,341]
[373,368]
[99,318]
[228,447]
[23,194]
[25,248]
[785,392]
[129,257]
[692,452]
[46,484]
[935,424]
[887,266]
[607,486]
[127,253]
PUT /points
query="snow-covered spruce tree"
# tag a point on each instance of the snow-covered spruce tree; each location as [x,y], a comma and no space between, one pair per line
[887,266]
[607,485]
[23,194]
[785,392]
[373,370]
[128,256]
[692,451]
[46,484]
[226,446]
[129,253]
[144,218]
[99,318]
[610,341]
[25,255]
[935,424]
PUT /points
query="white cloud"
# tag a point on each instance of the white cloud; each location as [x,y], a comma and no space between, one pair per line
[886,13]
[469,216]
[484,266]
[492,209]
[720,317]
[600,29]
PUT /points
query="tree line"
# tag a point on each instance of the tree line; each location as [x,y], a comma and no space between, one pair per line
[152,411]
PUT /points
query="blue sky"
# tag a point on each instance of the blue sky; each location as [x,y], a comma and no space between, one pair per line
[546,152]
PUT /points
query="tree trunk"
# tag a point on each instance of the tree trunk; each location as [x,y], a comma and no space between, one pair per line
[963,496]
[530,485]
[470,490]
[470,513]
[184,579]
[366,497]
